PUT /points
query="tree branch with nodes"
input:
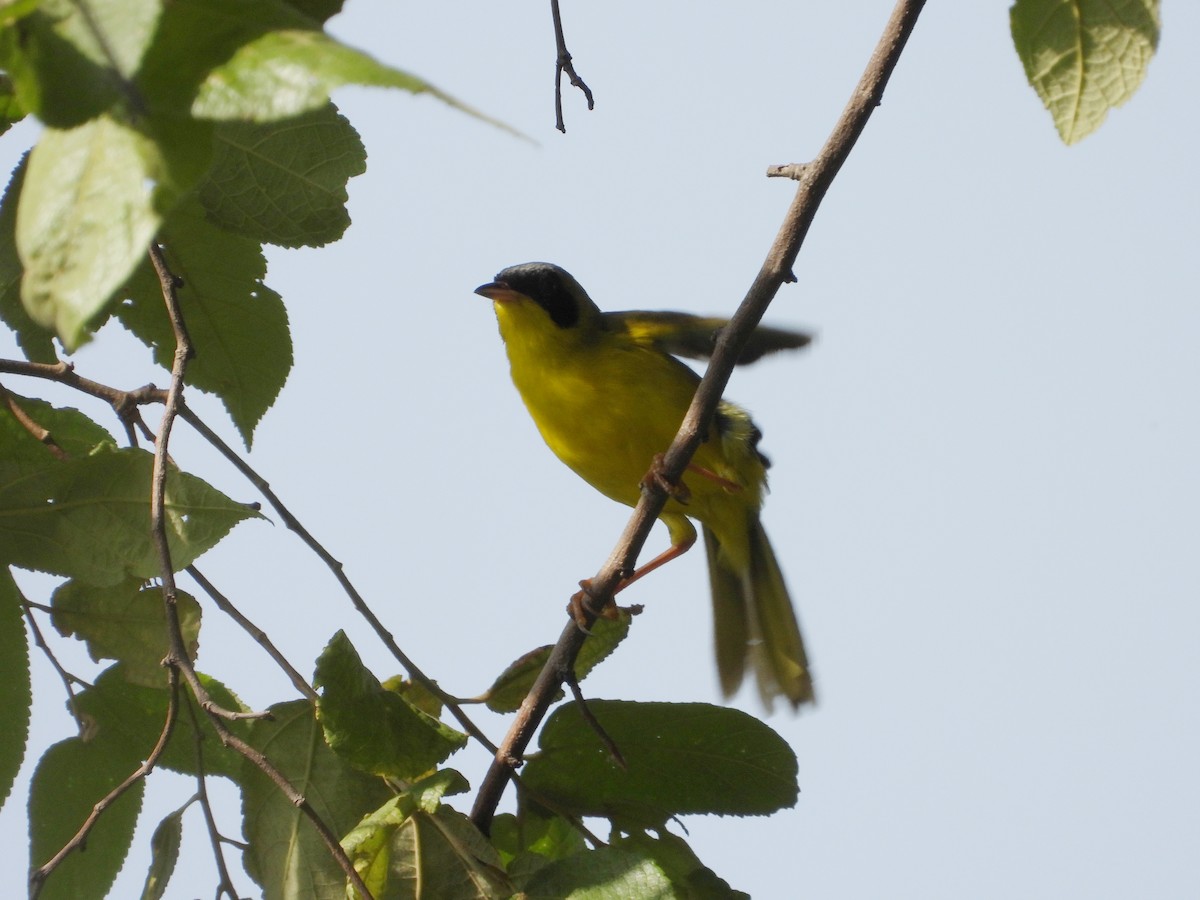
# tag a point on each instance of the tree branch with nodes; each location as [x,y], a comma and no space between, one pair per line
[814,179]
[563,64]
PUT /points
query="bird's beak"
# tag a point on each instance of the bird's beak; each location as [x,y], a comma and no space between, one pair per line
[497,290]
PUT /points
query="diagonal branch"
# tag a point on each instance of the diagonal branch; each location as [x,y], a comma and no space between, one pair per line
[815,179]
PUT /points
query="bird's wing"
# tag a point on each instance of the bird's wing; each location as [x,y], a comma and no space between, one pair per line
[683,334]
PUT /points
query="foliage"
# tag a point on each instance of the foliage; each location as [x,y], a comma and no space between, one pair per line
[206,126]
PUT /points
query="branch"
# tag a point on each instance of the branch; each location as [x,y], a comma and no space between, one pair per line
[38,876]
[815,179]
[563,64]
[177,657]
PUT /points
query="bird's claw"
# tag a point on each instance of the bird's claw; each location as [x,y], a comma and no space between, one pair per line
[655,478]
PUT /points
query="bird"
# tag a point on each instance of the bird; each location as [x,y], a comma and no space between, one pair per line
[608,393]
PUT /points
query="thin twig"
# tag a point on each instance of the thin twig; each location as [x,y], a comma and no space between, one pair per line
[586,711]
[26,421]
[68,680]
[225,884]
[38,876]
[177,656]
[775,271]
[259,636]
[562,64]
[293,524]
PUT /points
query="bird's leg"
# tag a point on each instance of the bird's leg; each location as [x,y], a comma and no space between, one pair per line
[732,486]
[580,604]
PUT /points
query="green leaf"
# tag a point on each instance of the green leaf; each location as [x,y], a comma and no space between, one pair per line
[17,697]
[284,182]
[373,728]
[164,853]
[318,10]
[510,688]
[408,849]
[602,874]
[127,622]
[237,324]
[285,73]
[680,757]
[89,518]
[35,340]
[70,62]
[11,111]
[71,431]
[286,856]
[86,216]
[71,777]
[692,879]
[1084,57]
[133,715]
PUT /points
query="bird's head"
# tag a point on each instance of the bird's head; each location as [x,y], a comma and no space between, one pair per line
[545,286]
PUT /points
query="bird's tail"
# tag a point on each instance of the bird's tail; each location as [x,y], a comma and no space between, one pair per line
[754,621]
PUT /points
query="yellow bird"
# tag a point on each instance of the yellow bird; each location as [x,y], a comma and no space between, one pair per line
[608,396]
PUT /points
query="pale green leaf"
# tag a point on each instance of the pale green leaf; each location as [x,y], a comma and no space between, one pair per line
[126,622]
[603,874]
[89,518]
[16,696]
[284,182]
[164,853]
[680,758]
[286,856]
[288,72]
[691,878]
[70,431]
[71,777]
[237,324]
[1084,57]
[404,852]
[86,216]
[70,62]
[36,341]
[375,729]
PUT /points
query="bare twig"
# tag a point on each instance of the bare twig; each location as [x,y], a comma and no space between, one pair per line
[177,657]
[255,632]
[68,680]
[563,64]
[775,271]
[26,421]
[38,876]
[586,711]
[293,524]
[225,885]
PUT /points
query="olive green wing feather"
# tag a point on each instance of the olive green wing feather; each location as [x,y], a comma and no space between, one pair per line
[683,334]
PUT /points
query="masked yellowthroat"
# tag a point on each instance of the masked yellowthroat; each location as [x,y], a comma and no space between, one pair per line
[607,395]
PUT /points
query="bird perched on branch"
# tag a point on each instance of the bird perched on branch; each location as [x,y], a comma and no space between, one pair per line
[608,395]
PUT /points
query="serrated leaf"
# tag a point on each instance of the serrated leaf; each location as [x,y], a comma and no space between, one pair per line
[284,182]
[515,682]
[601,874]
[237,324]
[375,729]
[405,851]
[680,758]
[536,837]
[85,219]
[17,697]
[126,622]
[1084,57]
[11,111]
[89,518]
[285,854]
[133,715]
[35,340]
[71,777]
[164,853]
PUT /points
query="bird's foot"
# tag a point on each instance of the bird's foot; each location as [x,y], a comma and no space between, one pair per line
[656,478]
[581,607]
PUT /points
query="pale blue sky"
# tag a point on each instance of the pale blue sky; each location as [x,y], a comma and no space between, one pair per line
[985,491]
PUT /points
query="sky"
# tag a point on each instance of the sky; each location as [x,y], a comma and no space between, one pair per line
[984,495]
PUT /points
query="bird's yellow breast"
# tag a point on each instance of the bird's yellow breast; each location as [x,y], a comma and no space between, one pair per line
[606,405]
